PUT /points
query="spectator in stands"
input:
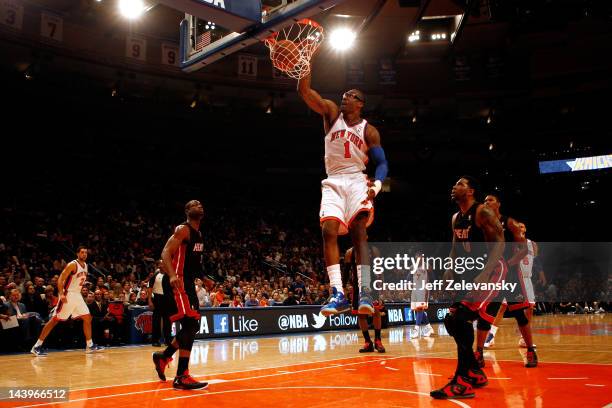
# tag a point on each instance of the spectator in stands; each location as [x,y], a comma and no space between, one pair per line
[100,284]
[34,302]
[290,300]
[262,301]
[2,285]
[39,285]
[101,320]
[227,302]
[320,299]
[53,284]
[252,302]
[202,293]
[10,339]
[29,322]
[143,299]
[50,299]
[298,284]
[237,302]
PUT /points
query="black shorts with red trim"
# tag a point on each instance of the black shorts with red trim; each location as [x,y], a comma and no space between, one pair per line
[486,303]
[182,305]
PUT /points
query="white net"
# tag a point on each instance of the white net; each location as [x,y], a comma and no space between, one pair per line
[292,48]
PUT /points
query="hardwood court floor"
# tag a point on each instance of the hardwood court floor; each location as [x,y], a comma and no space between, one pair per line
[314,370]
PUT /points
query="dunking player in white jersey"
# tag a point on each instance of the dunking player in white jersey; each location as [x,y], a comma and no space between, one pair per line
[347,195]
[71,302]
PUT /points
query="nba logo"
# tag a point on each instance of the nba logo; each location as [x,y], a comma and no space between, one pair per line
[408,314]
[221,323]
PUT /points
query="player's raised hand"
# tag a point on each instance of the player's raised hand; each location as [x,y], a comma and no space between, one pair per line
[374,187]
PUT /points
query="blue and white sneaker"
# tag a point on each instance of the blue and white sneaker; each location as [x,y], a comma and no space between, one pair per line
[366,306]
[93,349]
[490,341]
[337,304]
[38,351]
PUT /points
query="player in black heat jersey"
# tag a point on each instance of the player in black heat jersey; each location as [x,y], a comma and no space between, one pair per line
[182,257]
[477,234]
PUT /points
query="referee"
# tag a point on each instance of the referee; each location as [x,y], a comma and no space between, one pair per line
[159,292]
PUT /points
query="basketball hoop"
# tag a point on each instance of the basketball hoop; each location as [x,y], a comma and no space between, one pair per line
[292,48]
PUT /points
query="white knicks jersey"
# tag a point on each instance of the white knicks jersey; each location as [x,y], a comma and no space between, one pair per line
[346,151]
[419,279]
[75,281]
[527,262]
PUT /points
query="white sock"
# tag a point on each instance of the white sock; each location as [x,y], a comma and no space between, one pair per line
[363,277]
[89,343]
[493,329]
[335,277]
[39,343]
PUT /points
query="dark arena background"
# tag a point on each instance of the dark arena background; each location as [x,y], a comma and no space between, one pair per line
[107,131]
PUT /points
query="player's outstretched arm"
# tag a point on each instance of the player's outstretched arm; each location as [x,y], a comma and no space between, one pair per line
[181,233]
[324,107]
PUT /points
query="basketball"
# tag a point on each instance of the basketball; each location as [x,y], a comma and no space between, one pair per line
[285,55]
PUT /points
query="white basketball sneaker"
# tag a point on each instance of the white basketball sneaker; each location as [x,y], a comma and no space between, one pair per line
[522,343]
[427,331]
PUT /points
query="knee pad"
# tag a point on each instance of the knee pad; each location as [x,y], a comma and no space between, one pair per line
[520,317]
[483,325]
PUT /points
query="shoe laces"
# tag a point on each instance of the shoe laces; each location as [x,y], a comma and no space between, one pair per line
[186,378]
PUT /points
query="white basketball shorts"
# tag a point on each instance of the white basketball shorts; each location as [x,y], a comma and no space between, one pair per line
[343,196]
[75,307]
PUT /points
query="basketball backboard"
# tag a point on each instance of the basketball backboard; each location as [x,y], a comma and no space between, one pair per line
[213,29]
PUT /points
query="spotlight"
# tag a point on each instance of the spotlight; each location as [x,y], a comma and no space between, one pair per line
[342,39]
[114,92]
[131,9]
[194,101]
[414,119]
[269,110]
[210,25]
[491,147]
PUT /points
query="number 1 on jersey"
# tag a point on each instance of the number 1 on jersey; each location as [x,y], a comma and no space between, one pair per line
[347,152]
